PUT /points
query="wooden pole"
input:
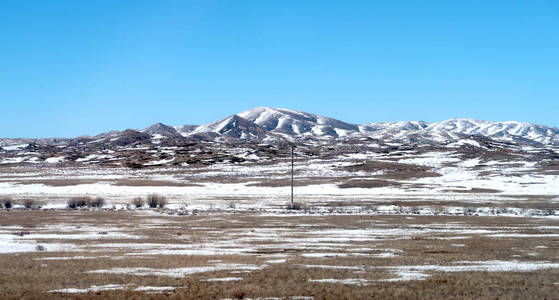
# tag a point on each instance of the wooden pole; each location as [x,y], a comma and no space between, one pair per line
[292,171]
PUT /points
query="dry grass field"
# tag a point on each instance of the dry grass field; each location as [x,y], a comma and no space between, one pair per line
[85,254]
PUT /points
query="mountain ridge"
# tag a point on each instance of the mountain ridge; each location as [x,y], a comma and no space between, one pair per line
[263,123]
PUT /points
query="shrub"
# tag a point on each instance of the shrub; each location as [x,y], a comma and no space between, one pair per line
[155,200]
[21,233]
[40,248]
[138,202]
[78,202]
[549,212]
[30,203]
[468,210]
[7,202]
[162,202]
[97,202]
[295,206]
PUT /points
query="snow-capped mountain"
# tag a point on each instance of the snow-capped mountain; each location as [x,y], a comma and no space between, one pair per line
[234,127]
[269,124]
[454,130]
[510,131]
[162,130]
[386,130]
[297,123]
[184,130]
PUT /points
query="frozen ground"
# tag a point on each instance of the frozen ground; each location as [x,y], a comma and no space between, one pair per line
[350,182]
[390,222]
[117,253]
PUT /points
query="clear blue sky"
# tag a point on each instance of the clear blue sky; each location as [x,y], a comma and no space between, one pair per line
[69,68]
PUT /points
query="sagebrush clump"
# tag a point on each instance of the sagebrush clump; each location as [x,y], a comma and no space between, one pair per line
[7,202]
[138,202]
[76,202]
[31,204]
[295,206]
[155,200]
[97,202]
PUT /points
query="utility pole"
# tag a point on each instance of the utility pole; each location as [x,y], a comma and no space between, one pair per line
[292,171]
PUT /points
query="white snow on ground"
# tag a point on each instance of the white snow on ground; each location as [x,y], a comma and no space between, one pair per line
[55,160]
[349,281]
[465,142]
[225,279]
[320,255]
[112,287]
[276,261]
[71,257]
[357,268]
[10,243]
[94,157]
[432,159]
[418,272]
[78,236]
[522,235]
[204,251]
[342,254]
[93,288]
[406,273]
[178,272]
[13,160]
[159,162]
[154,288]
[470,163]
[15,147]
[457,174]
[14,240]
[450,179]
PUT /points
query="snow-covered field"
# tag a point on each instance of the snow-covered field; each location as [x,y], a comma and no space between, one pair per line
[366,219]
[145,251]
[352,183]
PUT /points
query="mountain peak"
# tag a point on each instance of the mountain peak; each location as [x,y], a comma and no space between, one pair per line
[162,129]
[296,123]
[233,126]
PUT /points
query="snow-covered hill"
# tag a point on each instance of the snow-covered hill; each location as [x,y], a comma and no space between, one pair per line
[234,127]
[510,131]
[292,123]
[162,130]
[297,123]
[454,130]
[268,124]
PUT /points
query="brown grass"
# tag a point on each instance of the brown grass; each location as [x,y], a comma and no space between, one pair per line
[283,279]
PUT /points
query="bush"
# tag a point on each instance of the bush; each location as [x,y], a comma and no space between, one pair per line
[155,200]
[30,203]
[7,202]
[468,210]
[97,202]
[138,202]
[78,202]
[162,202]
[549,212]
[295,206]
[21,233]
